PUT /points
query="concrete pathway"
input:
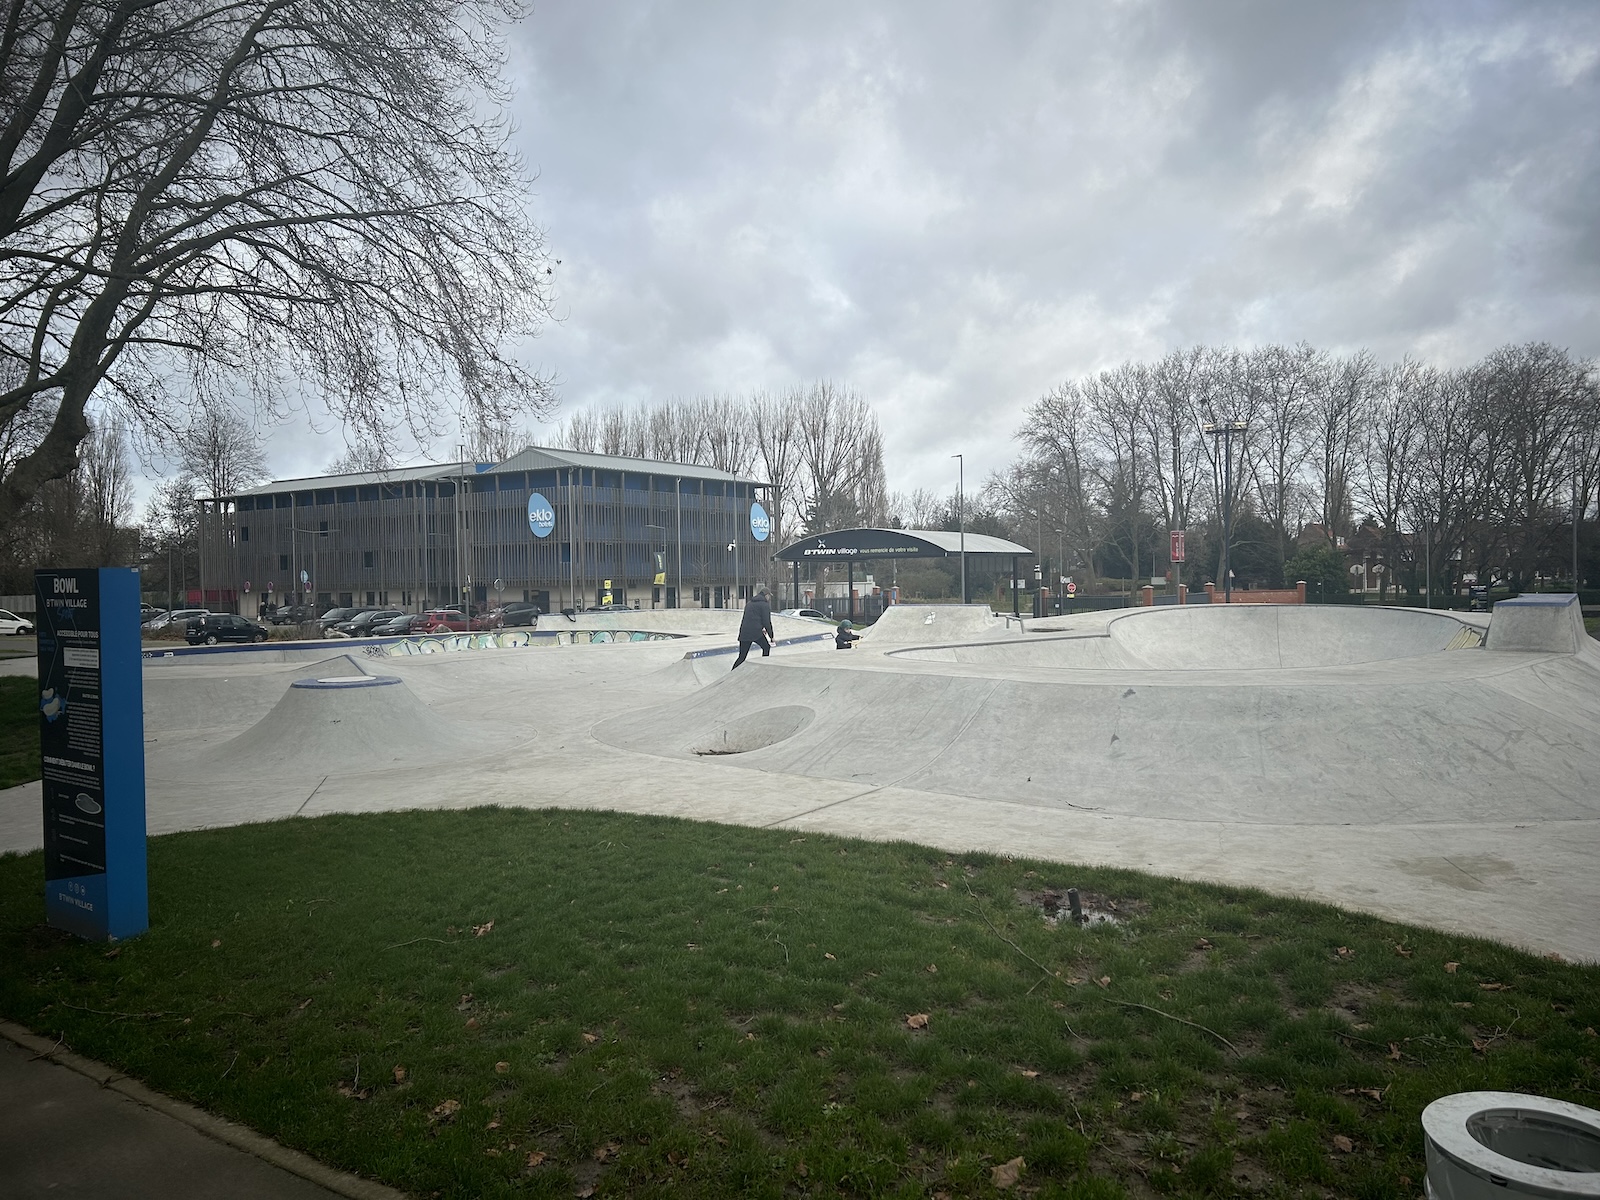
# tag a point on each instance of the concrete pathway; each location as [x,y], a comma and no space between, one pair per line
[70,1127]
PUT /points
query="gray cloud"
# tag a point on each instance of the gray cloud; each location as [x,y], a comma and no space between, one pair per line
[953,207]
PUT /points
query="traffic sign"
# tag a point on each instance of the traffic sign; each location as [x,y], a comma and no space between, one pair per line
[1177,545]
[246,587]
[1072,589]
[304,578]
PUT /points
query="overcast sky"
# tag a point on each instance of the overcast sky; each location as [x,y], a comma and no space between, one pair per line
[951,208]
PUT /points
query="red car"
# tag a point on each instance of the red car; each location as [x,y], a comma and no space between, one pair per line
[448,620]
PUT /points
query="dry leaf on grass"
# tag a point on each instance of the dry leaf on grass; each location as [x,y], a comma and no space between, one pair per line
[472,1022]
[500,1068]
[1027,1074]
[933,968]
[215,942]
[1552,956]
[607,1152]
[1403,951]
[829,957]
[943,884]
[1461,1004]
[399,1074]
[445,1111]
[1006,1174]
[1104,981]
[349,1090]
[917,1020]
[1394,1051]
[1451,968]
[536,1157]
[1342,1143]
[466,1003]
[480,930]
[494,1124]
[1345,953]
[590,1038]
[1494,987]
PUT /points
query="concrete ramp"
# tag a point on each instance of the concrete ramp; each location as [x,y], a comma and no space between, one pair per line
[339,725]
[927,624]
[1255,637]
[178,700]
[1552,624]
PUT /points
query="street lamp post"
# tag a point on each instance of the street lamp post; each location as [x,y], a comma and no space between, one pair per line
[961,517]
[1225,430]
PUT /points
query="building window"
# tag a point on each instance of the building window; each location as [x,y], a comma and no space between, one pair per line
[244,533]
[366,559]
[283,562]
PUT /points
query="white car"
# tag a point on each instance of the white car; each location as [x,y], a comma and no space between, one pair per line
[178,616]
[810,613]
[14,625]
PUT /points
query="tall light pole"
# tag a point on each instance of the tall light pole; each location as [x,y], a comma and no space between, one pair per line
[961,517]
[1225,430]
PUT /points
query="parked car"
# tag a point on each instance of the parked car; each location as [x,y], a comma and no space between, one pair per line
[520,613]
[12,624]
[212,628]
[292,614]
[402,625]
[451,620]
[361,625]
[811,613]
[179,617]
[337,616]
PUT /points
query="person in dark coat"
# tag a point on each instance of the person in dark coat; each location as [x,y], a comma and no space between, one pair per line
[844,635]
[756,627]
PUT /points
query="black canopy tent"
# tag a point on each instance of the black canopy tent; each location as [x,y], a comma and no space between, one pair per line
[849,545]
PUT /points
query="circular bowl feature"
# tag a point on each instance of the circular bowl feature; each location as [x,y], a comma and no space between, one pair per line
[347,682]
[754,731]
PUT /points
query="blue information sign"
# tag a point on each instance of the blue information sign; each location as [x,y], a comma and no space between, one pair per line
[760,526]
[91,738]
[541,515]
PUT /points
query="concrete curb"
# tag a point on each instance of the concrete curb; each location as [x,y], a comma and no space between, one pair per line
[208,1124]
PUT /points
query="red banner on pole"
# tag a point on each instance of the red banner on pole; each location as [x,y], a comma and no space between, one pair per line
[1177,545]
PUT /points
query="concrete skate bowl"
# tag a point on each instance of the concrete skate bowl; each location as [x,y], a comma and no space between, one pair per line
[336,725]
[1232,638]
[754,731]
[924,624]
[1464,737]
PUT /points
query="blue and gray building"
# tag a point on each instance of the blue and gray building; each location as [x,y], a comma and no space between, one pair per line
[558,527]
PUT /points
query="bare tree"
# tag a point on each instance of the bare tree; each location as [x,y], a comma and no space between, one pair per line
[842,480]
[107,483]
[1056,434]
[221,451]
[1285,383]
[1179,386]
[1339,412]
[255,189]
[1387,479]
[777,434]
[361,458]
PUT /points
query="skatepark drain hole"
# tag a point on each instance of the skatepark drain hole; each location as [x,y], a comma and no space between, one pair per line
[1096,909]
[754,731]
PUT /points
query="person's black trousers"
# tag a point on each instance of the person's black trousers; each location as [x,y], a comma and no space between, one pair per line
[744,649]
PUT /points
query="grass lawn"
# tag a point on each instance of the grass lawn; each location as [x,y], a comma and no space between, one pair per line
[19,730]
[546,1003]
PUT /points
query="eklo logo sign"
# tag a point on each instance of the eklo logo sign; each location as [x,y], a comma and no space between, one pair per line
[541,515]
